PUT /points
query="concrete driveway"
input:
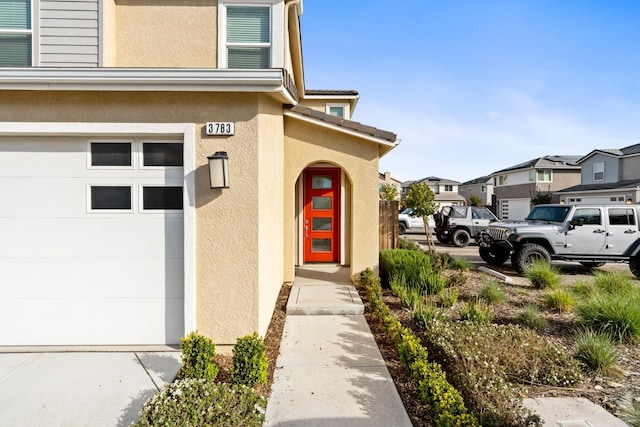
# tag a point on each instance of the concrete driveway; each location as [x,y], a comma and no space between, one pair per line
[81,389]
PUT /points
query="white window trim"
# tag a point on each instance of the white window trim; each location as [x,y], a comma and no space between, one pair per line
[140,153]
[185,131]
[129,211]
[164,212]
[33,32]
[593,176]
[277,29]
[114,141]
[346,110]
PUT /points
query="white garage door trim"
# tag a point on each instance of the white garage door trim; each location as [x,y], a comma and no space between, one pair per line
[184,131]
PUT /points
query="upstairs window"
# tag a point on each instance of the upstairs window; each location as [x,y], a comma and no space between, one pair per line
[545,175]
[15,33]
[338,110]
[448,187]
[248,42]
[598,171]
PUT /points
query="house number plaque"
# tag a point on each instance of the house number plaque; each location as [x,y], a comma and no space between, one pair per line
[220,128]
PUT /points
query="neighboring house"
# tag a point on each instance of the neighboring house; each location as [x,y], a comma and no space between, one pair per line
[445,190]
[515,186]
[386,178]
[481,187]
[163,170]
[608,176]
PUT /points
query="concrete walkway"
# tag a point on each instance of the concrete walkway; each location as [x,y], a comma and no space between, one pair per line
[330,371]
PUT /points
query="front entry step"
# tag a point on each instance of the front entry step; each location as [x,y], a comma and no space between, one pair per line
[327,299]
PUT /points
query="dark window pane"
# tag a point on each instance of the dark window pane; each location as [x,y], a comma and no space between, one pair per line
[162,154]
[110,154]
[162,197]
[111,197]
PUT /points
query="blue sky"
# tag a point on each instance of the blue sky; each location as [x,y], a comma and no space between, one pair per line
[472,87]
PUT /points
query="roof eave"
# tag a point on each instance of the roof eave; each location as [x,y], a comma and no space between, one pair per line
[271,81]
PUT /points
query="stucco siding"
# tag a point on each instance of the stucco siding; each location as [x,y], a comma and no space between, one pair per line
[271,207]
[227,231]
[306,144]
[68,33]
[166,34]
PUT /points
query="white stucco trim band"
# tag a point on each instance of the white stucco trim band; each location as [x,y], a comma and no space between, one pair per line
[187,132]
[379,141]
[147,79]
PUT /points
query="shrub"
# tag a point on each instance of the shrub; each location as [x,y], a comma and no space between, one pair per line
[631,414]
[531,318]
[480,359]
[543,275]
[560,300]
[457,278]
[597,351]
[198,352]
[424,313]
[440,260]
[616,315]
[411,298]
[492,293]
[614,283]
[250,361]
[432,282]
[584,289]
[476,311]
[408,262]
[446,403]
[201,402]
[448,297]
[408,244]
[459,264]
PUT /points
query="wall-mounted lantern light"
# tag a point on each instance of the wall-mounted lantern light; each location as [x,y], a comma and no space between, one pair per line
[629,201]
[219,169]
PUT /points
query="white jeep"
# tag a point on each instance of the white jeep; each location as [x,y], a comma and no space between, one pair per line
[589,234]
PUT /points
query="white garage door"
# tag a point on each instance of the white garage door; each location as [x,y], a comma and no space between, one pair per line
[515,209]
[92,241]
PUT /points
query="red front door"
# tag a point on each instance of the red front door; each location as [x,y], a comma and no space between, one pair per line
[321,222]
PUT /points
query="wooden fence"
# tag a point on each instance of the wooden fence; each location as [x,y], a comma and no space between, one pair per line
[388,212]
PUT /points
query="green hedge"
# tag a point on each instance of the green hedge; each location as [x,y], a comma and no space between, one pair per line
[421,271]
[445,402]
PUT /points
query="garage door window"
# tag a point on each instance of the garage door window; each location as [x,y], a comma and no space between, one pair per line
[111,197]
[162,198]
[111,154]
[162,154]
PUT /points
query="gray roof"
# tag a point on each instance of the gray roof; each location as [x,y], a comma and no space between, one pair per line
[347,124]
[629,183]
[617,152]
[481,180]
[551,161]
[435,179]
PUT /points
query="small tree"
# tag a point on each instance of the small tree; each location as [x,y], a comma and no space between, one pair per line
[540,198]
[422,200]
[475,200]
[388,192]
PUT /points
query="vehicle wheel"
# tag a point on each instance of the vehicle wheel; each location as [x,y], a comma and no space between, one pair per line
[402,228]
[634,265]
[527,254]
[442,238]
[494,256]
[460,238]
[592,264]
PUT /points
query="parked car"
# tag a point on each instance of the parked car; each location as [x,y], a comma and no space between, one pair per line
[589,234]
[459,224]
[408,222]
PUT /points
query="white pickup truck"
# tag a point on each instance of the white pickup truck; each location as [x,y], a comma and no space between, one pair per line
[408,222]
[589,234]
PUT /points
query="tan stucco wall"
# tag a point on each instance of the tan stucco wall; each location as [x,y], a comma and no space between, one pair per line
[306,144]
[630,168]
[238,230]
[108,30]
[166,33]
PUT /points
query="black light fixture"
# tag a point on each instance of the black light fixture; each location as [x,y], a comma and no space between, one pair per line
[219,169]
